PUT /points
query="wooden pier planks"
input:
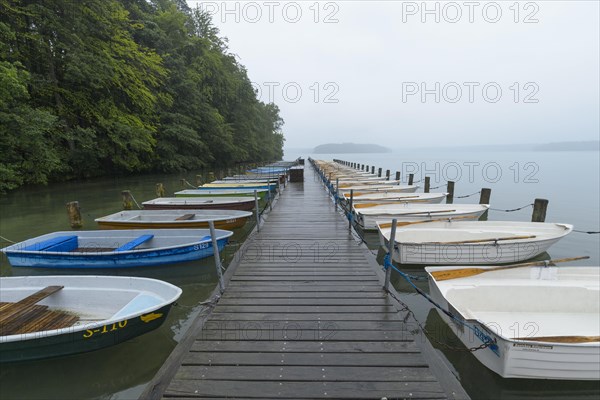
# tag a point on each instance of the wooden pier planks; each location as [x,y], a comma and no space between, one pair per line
[303,316]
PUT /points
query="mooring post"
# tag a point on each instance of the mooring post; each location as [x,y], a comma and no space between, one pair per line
[450,190]
[387,174]
[213,236]
[379,172]
[257,210]
[539,210]
[372,169]
[350,209]
[127,200]
[398,177]
[74,213]
[391,245]
[427,184]
[211,177]
[484,198]
[160,190]
[198,180]
[411,178]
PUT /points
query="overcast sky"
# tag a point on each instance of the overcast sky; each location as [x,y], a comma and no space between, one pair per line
[387,72]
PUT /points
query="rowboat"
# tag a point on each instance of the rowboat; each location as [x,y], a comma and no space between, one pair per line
[272,186]
[373,199]
[458,242]
[410,212]
[50,316]
[544,321]
[243,203]
[136,219]
[114,249]
[262,193]
[370,182]
[378,189]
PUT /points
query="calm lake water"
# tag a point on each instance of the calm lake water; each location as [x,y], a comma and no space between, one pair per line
[569,180]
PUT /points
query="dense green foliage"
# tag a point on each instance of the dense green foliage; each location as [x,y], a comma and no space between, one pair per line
[98,87]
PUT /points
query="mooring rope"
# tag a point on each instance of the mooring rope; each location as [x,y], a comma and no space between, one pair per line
[488,342]
[7,240]
[468,195]
[513,209]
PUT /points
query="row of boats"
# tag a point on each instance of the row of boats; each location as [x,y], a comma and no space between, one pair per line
[530,320]
[46,316]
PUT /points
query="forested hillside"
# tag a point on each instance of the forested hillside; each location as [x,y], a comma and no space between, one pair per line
[99,87]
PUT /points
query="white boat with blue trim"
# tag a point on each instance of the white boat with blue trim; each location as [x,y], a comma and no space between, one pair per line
[114,248]
[544,321]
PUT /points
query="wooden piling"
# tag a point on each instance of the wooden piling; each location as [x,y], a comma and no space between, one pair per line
[127,200]
[411,178]
[160,190]
[372,169]
[183,185]
[387,174]
[199,180]
[450,190]
[427,185]
[484,198]
[398,176]
[74,213]
[350,209]
[379,172]
[539,210]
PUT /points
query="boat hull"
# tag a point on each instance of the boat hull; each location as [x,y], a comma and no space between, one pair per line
[368,222]
[262,194]
[82,340]
[232,223]
[241,206]
[467,254]
[523,359]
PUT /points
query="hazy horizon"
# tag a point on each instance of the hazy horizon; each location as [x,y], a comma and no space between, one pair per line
[389,73]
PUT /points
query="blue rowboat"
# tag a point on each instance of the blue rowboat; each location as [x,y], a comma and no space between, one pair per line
[50,316]
[114,248]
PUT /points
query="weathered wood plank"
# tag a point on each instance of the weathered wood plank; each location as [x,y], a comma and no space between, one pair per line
[292,390]
[274,346]
[306,374]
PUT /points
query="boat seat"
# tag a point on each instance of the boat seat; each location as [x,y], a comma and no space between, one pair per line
[134,243]
[59,243]
[138,303]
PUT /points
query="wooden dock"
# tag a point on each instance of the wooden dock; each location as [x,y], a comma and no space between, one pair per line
[304,316]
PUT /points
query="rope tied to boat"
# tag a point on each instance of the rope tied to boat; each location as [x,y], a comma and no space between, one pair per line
[512,209]
[468,195]
[437,187]
[7,240]
[587,232]
[488,342]
[387,263]
[135,201]
[189,184]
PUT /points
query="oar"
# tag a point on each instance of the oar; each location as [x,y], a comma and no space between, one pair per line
[392,213]
[484,240]
[465,272]
[561,339]
[449,219]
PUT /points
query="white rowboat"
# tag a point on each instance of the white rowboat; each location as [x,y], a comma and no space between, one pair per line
[545,321]
[471,242]
[368,217]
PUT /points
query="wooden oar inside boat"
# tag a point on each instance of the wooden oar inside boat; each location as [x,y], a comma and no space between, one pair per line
[561,339]
[466,272]
[448,219]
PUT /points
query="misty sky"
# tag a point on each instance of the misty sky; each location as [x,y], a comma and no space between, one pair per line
[386,72]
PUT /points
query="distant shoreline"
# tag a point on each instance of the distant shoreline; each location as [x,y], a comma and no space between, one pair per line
[586,146]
